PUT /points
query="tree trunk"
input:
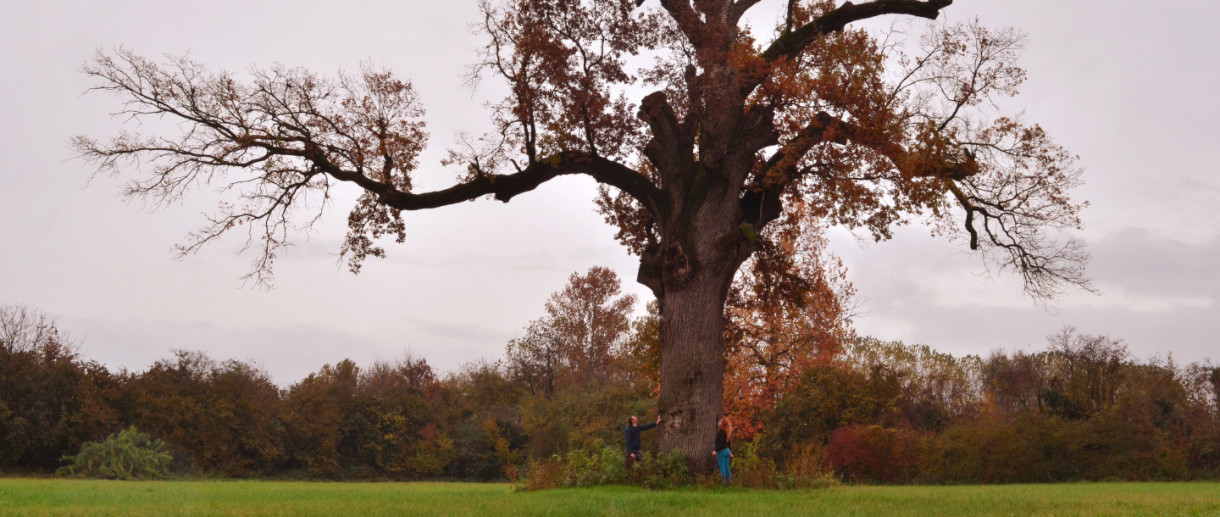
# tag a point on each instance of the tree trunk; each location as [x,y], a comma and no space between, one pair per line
[692,367]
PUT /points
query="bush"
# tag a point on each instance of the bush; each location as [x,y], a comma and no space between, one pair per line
[809,467]
[804,467]
[606,466]
[603,465]
[129,454]
[666,472]
[543,474]
[874,454]
[994,449]
[751,470]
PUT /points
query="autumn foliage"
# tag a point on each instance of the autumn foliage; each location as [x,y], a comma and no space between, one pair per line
[871,412]
[717,141]
[789,311]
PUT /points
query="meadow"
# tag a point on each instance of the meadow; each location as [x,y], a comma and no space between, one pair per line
[25,496]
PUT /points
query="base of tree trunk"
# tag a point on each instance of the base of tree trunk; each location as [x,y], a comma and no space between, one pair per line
[692,374]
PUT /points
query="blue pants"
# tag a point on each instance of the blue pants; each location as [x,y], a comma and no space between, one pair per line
[722,460]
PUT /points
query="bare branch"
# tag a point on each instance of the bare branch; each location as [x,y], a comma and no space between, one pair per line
[278,143]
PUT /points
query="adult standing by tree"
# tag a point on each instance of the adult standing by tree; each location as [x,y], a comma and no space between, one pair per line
[741,125]
[722,449]
[631,439]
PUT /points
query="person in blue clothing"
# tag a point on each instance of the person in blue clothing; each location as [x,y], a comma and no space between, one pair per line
[631,437]
[722,452]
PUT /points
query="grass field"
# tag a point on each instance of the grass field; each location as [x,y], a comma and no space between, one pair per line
[80,497]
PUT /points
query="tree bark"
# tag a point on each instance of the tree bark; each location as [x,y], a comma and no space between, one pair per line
[695,281]
[692,370]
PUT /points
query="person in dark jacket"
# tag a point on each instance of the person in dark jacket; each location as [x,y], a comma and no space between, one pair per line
[722,452]
[631,439]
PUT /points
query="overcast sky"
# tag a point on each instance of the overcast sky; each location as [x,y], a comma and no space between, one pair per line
[1130,87]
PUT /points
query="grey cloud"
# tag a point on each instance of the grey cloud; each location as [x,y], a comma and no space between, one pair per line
[1127,89]
[287,354]
[1142,262]
[469,331]
[1189,333]
[1159,294]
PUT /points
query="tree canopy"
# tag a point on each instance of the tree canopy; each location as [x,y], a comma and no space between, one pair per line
[701,129]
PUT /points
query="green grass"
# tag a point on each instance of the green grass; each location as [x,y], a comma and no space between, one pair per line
[82,497]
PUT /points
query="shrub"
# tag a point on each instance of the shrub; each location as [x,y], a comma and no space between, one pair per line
[994,449]
[805,466]
[606,466]
[750,469]
[874,454]
[543,474]
[666,472]
[602,465]
[808,467]
[129,454]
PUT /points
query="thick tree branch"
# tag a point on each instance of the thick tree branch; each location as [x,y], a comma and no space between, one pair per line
[827,128]
[792,42]
[761,203]
[739,9]
[686,18]
[671,149]
[757,130]
[505,186]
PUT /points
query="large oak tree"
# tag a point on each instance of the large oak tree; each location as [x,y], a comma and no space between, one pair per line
[698,151]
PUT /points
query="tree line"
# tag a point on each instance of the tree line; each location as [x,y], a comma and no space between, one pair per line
[802,392]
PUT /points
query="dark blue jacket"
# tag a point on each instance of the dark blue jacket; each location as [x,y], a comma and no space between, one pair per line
[631,435]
